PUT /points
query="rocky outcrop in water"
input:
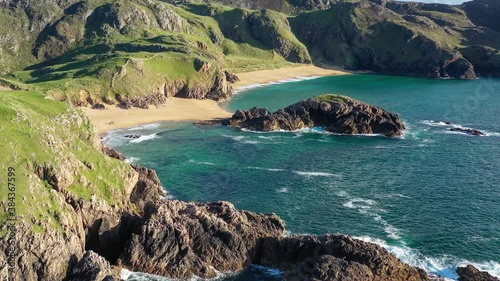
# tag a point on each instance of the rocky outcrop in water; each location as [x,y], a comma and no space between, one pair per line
[470,273]
[335,258]
[336,114]
[468,131]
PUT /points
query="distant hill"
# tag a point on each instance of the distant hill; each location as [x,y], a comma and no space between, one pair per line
[137,51]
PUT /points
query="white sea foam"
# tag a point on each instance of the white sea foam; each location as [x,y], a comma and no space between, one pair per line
[343,193]
[282,81]
[437,123]
[443,265]
[242,139]
[282,190]
[128,275]
[458,126]
[267,169]
[251,142]
[115,139]
[145,127]
[316,174]
[201,162]
[359,203]
[132,160]
[144,138]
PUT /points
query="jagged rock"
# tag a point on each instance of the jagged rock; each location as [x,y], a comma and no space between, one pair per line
[126,104]
[468,131]
[92,267]
[112,153]
[179,239]
[135,136]
[201,66]
[458,67]
[148,187]
[98,106]
[170,20]
[337,114]
[470,273]
[231,78]
[334,257]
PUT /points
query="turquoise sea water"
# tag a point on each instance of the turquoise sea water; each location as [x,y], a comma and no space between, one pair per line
[431,197]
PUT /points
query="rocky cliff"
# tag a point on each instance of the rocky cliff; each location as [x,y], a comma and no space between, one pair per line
[336,114]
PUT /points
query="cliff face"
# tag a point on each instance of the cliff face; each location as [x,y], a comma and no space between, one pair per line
[180,239]
[367,36]
[336,114]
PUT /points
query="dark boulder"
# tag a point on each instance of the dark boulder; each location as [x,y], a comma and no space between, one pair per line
[470,273]
[92,267]
[335,258]
[467,131]
[231,78]
[98,106]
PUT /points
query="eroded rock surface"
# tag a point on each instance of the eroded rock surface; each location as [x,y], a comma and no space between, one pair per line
[470,273]
[334,257]
[179,239]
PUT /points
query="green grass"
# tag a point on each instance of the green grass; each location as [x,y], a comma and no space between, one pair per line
[333,98]
[36,131]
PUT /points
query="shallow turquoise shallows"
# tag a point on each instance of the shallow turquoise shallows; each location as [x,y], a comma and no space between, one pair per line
[431,197]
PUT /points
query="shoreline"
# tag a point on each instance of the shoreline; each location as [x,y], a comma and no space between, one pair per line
[180,109]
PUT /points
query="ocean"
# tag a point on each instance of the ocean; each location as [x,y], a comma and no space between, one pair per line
[432,197]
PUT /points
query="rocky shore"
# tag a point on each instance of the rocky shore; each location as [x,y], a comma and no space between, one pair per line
[334,113]
[144,231]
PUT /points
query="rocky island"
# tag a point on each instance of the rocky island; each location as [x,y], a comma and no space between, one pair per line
[334,113]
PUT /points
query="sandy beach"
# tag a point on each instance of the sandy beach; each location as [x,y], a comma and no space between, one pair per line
[266,76]
[178,109]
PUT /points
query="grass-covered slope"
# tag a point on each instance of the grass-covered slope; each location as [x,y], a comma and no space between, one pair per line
[104,51]
[139,52]
[67,192]
[50,144]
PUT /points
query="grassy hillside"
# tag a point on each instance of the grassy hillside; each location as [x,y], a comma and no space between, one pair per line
[109,51]
[37,133]
[84,54]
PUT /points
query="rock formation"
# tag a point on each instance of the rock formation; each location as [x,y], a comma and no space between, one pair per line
[334,257]
[179,239]
[336,114]
[92,267]
[470,273]
[467,131]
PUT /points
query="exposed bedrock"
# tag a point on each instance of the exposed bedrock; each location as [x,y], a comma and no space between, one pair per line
[179,239]
[334,257]
[470,273]
[337,114]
